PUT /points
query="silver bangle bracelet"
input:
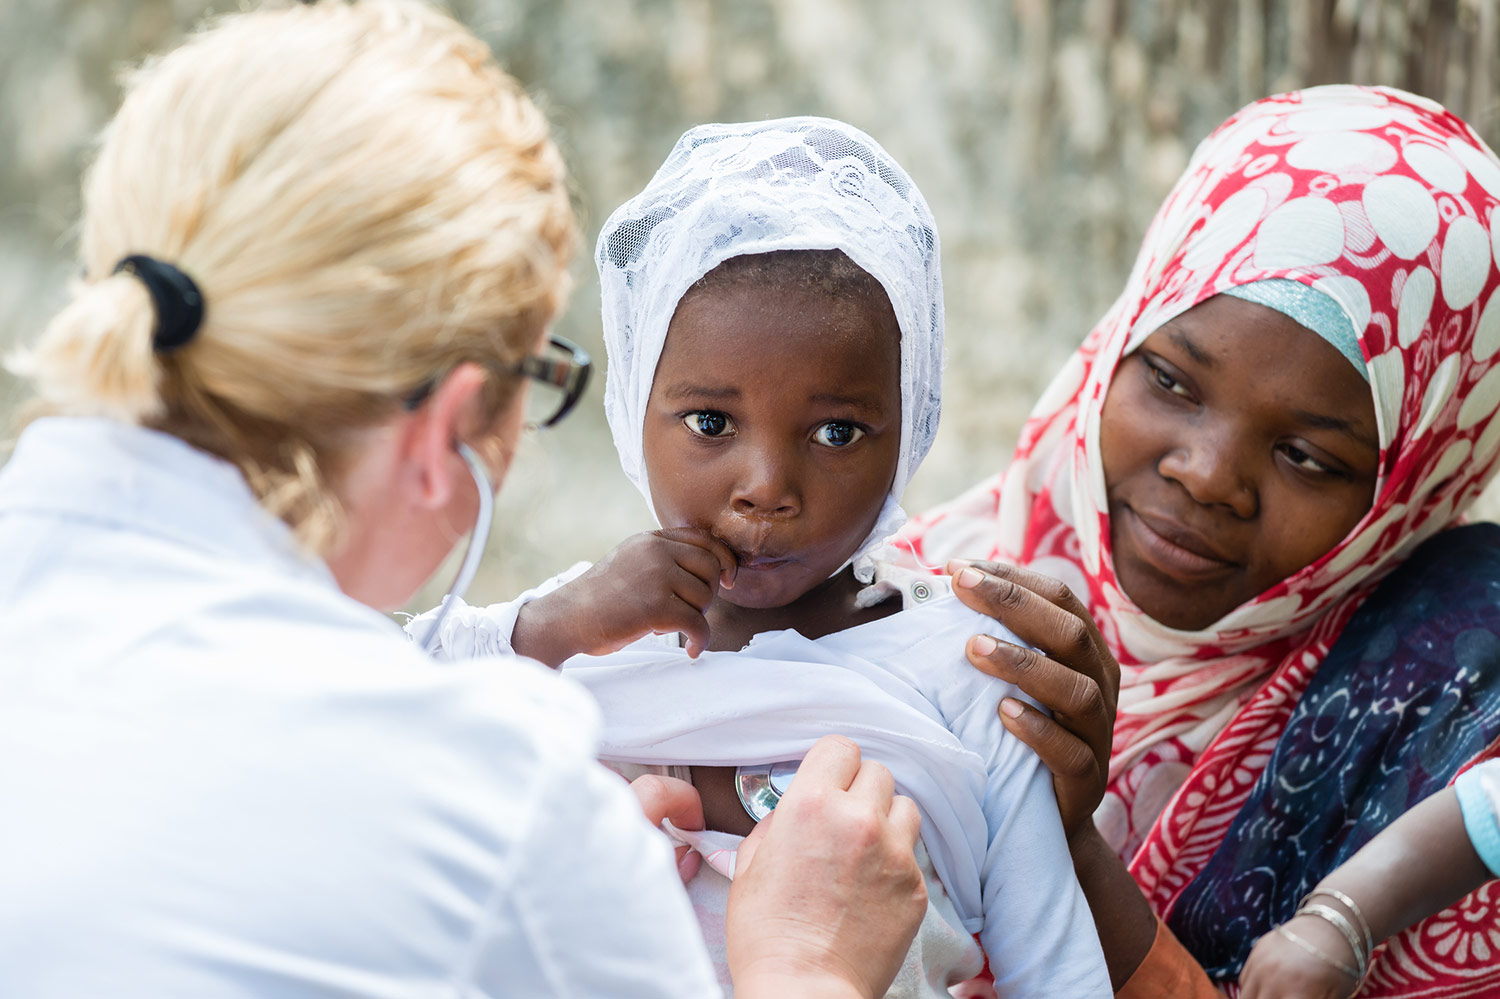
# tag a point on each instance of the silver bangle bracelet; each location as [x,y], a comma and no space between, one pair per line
[1346,929]
[1317,952]
[1354,910]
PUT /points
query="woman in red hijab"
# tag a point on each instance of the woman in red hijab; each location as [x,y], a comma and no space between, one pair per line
[1293,400]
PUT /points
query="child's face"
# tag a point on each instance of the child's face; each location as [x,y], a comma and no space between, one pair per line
[775,422]
[1238,448]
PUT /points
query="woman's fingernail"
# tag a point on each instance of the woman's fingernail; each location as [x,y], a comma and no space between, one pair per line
[1011,707]
[984,645]
[969,578]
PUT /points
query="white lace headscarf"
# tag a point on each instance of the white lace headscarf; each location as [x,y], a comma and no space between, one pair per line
[789,184]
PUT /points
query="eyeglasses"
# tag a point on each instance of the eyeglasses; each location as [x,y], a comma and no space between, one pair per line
[561,373]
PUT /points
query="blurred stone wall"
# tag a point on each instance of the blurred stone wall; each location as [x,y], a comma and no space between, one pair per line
[1043,135]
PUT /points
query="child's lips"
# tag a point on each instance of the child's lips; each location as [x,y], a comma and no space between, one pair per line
[761,563]
[757,560]
[750,552]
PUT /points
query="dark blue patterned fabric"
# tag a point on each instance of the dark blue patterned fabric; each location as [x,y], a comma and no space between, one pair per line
[1408,694]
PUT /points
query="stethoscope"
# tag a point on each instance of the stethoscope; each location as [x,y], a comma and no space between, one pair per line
[478,539]
[759,785]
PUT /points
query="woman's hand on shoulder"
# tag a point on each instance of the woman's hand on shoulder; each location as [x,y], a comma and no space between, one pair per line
[659,582]
[827,895]
[1071,671]
[1278,968]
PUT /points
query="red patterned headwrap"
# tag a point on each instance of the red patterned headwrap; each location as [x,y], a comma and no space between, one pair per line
[1389,205]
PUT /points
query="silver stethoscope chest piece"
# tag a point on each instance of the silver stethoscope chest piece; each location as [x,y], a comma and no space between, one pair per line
[761,785]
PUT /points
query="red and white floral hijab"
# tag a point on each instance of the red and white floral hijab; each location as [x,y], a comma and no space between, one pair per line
[1391,206]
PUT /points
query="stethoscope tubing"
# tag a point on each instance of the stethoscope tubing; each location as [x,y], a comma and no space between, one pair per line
[478,540]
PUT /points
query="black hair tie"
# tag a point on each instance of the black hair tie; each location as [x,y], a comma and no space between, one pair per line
[175,298]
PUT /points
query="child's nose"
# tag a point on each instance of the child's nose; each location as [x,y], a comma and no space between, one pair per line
[766,488]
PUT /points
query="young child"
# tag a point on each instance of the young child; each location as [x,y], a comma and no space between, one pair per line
[773,313]
[1430,857]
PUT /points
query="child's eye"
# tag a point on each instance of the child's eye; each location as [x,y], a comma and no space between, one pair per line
[708,423]
[837,433]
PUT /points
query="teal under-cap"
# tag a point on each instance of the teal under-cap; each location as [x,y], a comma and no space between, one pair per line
[1310,307]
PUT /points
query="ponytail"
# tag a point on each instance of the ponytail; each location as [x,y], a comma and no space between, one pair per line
[363,201]
[96,358]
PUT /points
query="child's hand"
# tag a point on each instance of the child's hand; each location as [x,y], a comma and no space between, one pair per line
[1279,969]
[659,583]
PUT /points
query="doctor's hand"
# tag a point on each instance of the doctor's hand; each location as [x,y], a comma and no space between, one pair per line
[677,800]
[1074,674]
[660,582]
[827,896]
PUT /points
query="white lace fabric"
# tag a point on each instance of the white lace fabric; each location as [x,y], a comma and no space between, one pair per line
[728,190]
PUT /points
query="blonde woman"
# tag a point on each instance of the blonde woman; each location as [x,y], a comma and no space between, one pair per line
[321,247]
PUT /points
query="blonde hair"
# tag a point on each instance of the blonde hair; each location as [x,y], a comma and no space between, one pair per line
[365,200]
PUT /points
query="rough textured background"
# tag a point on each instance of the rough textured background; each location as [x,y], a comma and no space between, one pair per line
[1043,135]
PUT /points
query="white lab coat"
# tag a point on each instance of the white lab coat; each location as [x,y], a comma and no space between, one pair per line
[220,777]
